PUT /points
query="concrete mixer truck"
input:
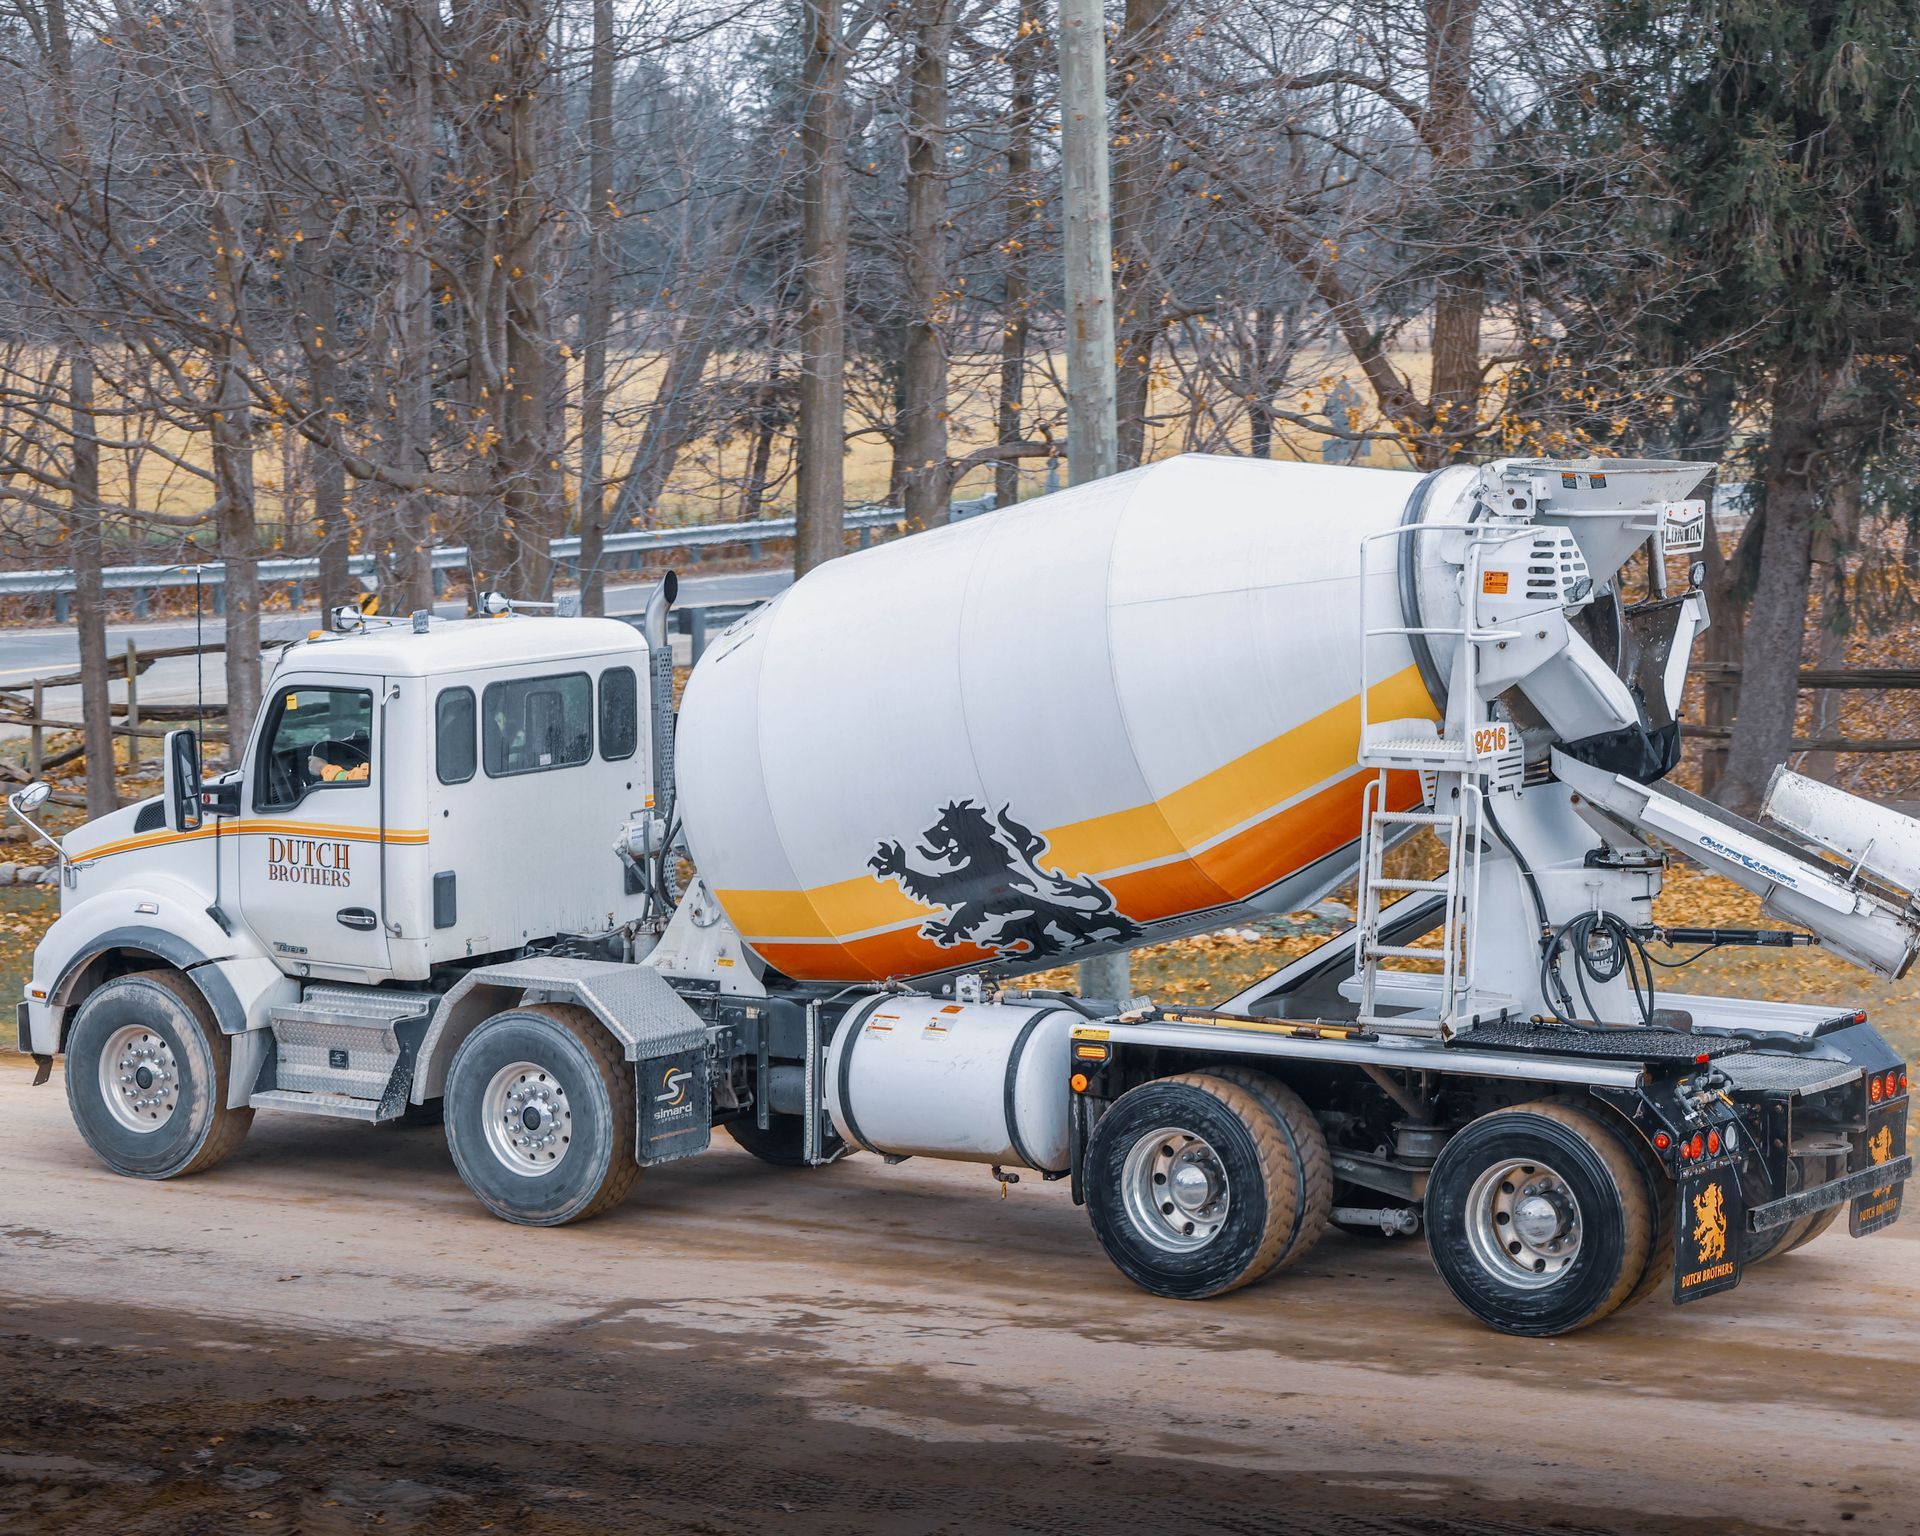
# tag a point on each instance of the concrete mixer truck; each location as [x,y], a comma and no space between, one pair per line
[482,869]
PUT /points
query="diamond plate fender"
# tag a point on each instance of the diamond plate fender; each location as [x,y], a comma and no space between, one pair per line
[636,1003]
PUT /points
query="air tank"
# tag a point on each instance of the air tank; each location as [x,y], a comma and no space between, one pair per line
[1112,715]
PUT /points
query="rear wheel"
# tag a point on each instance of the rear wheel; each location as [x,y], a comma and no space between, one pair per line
[147,1078]
[540,1116]
[1198,1184]
[1540,1219]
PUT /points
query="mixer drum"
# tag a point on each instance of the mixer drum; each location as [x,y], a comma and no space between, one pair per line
[1120,713]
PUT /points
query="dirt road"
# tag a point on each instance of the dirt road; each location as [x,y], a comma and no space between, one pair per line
[327,1335]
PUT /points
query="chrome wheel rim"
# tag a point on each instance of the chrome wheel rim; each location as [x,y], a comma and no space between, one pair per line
[529,1126]
[1176,1189]
[1523,1224]
[139,1079]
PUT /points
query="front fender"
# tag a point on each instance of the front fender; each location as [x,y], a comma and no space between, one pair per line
[167,921]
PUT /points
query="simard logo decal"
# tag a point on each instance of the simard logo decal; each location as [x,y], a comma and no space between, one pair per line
[309,861]
[672,1102]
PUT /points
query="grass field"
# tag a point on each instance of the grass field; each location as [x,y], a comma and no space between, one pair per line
[710,474]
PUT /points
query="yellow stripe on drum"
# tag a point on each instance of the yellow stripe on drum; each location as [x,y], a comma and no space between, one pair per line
[1247,790]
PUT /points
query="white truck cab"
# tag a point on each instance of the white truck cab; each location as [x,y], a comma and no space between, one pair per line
[378,824]
[414,799]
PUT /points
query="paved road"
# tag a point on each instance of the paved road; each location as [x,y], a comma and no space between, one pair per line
[29,653]
[327,1329]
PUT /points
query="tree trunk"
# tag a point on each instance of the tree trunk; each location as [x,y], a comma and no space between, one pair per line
[596,315]
[1777,620]
[232,411]
[821,492]
[411,363]
[1459,298]
[1260,366]
[1018,205]
[674,420]
[89,594]
[766,416]
[923,427]
[1833,541]
[86,532]
[1138,304]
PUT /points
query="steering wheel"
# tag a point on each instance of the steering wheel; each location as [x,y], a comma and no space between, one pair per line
[358,758]
[283,785]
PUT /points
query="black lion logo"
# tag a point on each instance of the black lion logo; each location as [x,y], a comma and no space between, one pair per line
[995,894]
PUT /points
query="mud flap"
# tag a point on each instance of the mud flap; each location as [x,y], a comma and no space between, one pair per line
[42,1068]
[676,1106]
[1886,1142]
[1712,1223]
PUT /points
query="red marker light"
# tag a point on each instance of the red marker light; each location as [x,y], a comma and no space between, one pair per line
[1860,1017]
[1661,1141]
[1701,1060]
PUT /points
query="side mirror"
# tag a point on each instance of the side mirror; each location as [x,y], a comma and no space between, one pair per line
[29,799]
[181,781]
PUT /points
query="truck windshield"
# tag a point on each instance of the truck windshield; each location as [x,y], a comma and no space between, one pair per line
[316,738]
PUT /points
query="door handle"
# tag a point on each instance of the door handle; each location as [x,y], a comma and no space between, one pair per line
[361,918]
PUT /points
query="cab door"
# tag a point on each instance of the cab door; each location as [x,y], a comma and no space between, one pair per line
[310,829]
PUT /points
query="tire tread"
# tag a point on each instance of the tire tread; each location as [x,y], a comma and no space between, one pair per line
[1313,1162]
[623,1168]
[1636,1202]
[1278,1172]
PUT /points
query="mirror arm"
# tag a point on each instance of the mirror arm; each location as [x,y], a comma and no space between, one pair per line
[35,828]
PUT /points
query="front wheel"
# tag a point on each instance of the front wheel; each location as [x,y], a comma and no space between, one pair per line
[147,1078]
[1539,1219]
[540,1116]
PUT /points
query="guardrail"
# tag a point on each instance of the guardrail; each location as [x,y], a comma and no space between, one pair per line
[141,579]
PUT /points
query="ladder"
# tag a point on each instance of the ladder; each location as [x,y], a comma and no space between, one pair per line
[1459,834]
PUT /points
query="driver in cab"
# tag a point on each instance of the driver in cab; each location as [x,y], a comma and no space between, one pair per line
[336,762]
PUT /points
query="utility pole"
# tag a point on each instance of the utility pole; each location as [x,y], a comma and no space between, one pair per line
[820,483]
[1093,446]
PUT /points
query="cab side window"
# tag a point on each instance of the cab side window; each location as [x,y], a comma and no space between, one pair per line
[316,738]
[619,713]
[455,749]
[534,724]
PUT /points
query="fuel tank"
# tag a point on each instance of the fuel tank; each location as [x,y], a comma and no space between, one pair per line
[913,1076]
[1104,717]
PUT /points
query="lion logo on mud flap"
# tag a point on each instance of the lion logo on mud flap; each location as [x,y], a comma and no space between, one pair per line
[1880,1149]
[1710,1224]
[986,877]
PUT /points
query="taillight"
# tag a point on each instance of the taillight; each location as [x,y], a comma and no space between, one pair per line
[1893,1084]
[1713,1141]
[1874,1089]
[1697,1146]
